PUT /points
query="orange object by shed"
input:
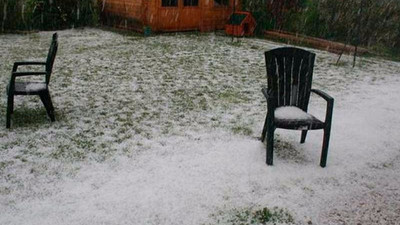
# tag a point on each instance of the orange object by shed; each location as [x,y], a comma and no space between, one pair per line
[167,15]
[241,24]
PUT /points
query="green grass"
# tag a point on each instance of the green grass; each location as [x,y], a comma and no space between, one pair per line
[231,96]
[252,216]
[29,117]
[242,130]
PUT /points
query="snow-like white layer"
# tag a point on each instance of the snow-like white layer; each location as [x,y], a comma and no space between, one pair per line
[291,113]
[35,86]
[164,130]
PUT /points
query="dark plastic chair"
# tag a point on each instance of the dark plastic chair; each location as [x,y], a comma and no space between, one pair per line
[289,74]
[33,88]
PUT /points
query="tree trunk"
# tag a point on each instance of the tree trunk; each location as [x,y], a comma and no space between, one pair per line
[4,16]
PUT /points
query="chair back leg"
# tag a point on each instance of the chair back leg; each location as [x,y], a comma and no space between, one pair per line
[46,99]
[325,145]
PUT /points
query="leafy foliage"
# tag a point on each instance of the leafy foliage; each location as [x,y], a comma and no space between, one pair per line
[46,14]
[358,22]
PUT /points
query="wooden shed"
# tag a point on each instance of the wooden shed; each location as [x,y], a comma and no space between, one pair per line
[167,15]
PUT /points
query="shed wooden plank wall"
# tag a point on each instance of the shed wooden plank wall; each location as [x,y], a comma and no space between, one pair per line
[215,17]
[126,14]
[134,14]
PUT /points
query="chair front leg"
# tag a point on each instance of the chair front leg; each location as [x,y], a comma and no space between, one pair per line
[270,147]
[325,145]
[270,144]
[12,104]
[264,131]
[10,109]
[303,136]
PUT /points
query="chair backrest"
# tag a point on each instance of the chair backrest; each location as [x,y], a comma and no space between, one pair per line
[51,57]
[289,74]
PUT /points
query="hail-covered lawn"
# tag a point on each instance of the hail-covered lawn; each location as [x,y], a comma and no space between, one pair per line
[164,130]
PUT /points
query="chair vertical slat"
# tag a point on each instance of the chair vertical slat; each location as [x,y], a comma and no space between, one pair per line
[288,79]
[295,86]
[270,62]
[310,68]
[303,84]
[281,80]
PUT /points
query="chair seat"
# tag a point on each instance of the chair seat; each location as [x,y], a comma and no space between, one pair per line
[291,117]
[29,88]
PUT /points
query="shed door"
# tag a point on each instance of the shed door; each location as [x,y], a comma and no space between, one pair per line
[168,14]
[177,15]
[189,15]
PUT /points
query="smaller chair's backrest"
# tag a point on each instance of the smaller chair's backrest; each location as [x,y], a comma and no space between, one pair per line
[289,74]
[51,57]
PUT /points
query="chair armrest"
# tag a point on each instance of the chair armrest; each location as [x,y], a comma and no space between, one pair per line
[16,64]
[21,74]
[329,106]
[322,94]
[14,75]
[264,90]
[270,102]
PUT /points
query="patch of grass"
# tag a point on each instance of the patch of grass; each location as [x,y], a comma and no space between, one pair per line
[341,63]
[84,143]
[385,52]
[287,151]
[5,164]
[167,127]
[250,216]
[242,130]
[83,49]
[164,46]
[10,144]
[203,104]
[66,152]
[235,43]
[230,96]
[29,117]
[128,33]
[182,100]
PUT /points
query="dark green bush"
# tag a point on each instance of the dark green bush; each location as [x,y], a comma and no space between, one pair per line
[11,15]
[47,14]
[358,22]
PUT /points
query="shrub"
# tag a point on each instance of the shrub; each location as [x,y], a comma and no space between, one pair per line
[357,22]
[46,14]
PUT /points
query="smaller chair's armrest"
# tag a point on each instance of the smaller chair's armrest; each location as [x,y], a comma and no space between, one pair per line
[30,63]
[14,75]
[16,64]
[329,106]
[21,74]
